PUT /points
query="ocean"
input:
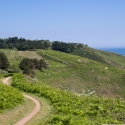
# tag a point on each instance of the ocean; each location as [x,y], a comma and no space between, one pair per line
[120,51]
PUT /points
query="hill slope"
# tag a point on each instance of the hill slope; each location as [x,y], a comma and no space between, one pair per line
[75,73]
[101,56]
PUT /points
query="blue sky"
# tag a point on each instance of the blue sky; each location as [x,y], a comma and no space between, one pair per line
[97,23]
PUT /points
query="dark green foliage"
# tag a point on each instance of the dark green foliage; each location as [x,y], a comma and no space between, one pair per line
[14,68]
[41,64]
[28,65]
[64,47]
[80,46]
[8,74]
[4,63]
[23,44]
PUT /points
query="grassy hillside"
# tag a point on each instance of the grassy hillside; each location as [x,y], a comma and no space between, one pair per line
[101,56]
[78,73]
[71,108]
[75,73]
[15,56]
[112,58]
[86,78]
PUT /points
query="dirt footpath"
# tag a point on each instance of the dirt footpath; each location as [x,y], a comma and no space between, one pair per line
[32,114]
[5,80]
[34,111]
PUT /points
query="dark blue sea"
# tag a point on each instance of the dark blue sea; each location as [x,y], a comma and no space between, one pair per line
[120,51]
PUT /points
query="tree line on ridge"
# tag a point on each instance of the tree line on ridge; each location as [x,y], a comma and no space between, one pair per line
[25,44]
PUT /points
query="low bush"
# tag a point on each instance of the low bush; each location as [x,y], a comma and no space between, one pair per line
[9,97]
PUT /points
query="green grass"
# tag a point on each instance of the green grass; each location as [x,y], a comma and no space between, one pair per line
[82,74]
[101,56]
[89,53]
[9,97]
[75,72]
[16,56]
[114,59]
[71,108]
[9,117]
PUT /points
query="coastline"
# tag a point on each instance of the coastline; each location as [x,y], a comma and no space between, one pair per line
[120,51]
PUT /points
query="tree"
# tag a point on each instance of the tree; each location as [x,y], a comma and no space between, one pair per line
[80,46]
[42,63]
[29,65]
[23,44]
[26,64]
[64,47]
[4,63]
[46,44]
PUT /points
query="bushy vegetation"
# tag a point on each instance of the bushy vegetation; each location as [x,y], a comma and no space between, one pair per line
[72,108]
[9,97]
[4,63]
[28,65]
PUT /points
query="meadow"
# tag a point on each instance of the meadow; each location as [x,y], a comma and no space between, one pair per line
[79,73]
[73,72]
[78,89]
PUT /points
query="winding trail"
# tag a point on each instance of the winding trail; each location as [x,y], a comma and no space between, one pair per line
[5,80]
[34,111]
[32,114]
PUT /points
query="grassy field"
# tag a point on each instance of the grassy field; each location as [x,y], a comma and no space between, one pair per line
[15,56]
[76,73]
[112,58]
[81,74]
[101,56]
